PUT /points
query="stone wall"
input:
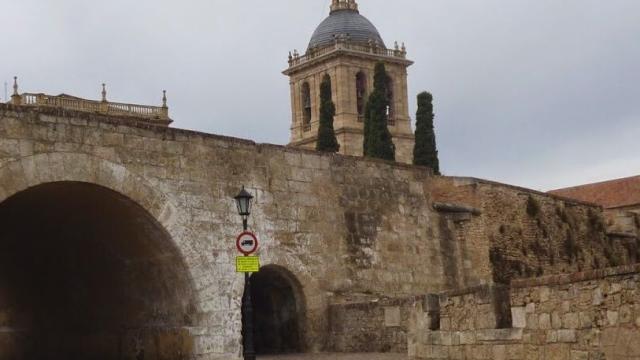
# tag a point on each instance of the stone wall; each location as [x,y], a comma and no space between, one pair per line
[369,325]
[524,233]
[337,224]
[582,316]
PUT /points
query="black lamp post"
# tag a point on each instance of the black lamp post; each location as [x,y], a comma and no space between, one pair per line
[243,201]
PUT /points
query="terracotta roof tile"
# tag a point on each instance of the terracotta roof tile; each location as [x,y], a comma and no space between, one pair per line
[608,194]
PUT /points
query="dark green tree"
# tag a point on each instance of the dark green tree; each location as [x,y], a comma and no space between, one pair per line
[425,152]
[377,138]
[327,141]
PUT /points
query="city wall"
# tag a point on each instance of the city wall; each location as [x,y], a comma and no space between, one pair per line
[581,316]
[337,224]
[340,226]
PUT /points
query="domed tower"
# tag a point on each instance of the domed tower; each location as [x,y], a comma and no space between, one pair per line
[346,46]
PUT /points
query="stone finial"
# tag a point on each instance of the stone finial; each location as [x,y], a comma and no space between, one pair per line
[15,86]
[164,98]
[344,5]
[104,92]
[290,57]
[396,47]
[16,99]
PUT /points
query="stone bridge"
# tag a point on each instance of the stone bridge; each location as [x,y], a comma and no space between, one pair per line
[117,242]
[118,238]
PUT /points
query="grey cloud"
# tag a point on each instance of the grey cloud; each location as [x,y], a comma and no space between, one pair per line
[540,93]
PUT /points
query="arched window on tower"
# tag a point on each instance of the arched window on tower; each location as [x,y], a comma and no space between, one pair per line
[361,94]
[306,107]
[390,108]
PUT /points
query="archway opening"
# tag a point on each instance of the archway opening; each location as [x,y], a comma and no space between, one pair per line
[278,311]
[87,273]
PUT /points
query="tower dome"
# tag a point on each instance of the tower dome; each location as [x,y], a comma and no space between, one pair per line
[345,21]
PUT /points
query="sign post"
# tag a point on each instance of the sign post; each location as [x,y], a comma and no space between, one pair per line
[247,243]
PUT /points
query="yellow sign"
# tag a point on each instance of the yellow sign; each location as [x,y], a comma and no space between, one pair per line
[247,264]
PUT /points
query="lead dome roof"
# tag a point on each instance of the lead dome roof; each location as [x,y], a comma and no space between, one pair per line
[345,22]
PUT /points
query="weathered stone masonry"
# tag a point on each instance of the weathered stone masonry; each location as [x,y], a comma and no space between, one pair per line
[338,224]
[588,315]
[344,228]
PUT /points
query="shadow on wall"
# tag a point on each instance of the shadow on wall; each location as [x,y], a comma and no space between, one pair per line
[86,273]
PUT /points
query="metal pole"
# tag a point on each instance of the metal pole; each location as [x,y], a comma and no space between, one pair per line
[248,350]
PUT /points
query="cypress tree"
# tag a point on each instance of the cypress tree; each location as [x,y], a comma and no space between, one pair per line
[327,141]
[425,152]
[377,138]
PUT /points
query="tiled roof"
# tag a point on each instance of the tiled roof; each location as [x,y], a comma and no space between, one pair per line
[608,194]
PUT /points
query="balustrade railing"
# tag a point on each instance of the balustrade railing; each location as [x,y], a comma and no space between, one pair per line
[102,107]
[296,59]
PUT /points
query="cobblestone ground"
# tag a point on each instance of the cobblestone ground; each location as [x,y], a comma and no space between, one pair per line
[336,357]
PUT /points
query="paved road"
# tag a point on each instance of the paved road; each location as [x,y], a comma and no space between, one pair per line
[336,357]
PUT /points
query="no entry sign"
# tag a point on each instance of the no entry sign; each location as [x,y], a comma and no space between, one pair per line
[247,243]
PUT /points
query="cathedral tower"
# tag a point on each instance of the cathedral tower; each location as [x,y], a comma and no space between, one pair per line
[346,46]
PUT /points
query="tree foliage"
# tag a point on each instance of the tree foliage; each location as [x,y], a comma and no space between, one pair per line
[327,141]
[425,152]
[377,138]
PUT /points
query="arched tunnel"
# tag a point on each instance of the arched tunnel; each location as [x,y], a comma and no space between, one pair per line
[87,273]
[279,311]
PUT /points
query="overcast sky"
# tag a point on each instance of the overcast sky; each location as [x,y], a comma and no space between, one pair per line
[537,93]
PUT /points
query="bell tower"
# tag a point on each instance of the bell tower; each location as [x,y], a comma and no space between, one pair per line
[346,46]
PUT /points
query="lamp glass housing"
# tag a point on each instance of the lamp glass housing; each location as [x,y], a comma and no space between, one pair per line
[243,202]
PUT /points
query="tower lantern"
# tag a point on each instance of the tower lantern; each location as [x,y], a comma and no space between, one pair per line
[346,46]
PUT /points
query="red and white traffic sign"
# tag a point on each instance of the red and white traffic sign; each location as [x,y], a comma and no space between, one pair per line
[247,243]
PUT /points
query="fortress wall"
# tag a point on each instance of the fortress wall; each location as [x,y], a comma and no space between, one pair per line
[587,315]
[338,224]
[373,324]
[522,232]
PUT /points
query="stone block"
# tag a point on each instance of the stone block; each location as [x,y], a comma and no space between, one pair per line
[499,334]
[518,317]
[392,316]
[598,297]
[532,321]
[531,308]
[544,294]
[571,321]
[556,320]
[612,318]
[544,322]
[579,355]
[586,320]
[467,337]
[567,336]
[499,352]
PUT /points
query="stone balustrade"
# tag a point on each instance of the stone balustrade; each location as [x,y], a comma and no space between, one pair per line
[344,45]
[158,115]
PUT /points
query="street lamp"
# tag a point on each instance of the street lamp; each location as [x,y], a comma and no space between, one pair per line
[243,201]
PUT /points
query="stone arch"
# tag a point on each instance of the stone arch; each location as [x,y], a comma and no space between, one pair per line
[60,166]
[90,268]
[279,311]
